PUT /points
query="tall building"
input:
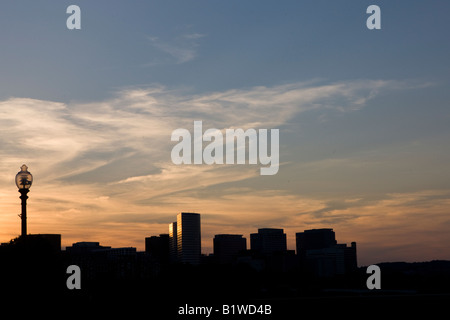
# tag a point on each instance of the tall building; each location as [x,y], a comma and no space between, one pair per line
[188,238]
[173,250]
[228,246]
[351,262]
[158,247]
[314,239]
[268,241]
[321,254]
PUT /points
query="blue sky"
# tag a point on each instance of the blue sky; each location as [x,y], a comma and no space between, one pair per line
[214,45]
[363,117]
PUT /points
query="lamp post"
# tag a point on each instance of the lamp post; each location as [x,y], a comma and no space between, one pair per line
[24,179]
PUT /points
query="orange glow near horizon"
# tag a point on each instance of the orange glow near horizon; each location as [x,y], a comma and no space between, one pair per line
[388,230]
[102,171]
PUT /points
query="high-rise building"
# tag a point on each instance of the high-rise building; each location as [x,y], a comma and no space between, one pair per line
[351,261]
[188,238]
[158,247]
[228,246]
[315,239]
[268,241]
[173,250]
[320,253]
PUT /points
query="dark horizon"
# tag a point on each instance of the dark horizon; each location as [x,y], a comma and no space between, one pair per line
[126,279]
[205,254]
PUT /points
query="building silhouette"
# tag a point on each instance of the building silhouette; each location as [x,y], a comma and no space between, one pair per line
[97,261]
[173,250]
[268,241]
[320,254]
[315,239]
[30,270]
[269,251]
[228,246]
[188,240]
[51,241]
[158,247]
[84,247]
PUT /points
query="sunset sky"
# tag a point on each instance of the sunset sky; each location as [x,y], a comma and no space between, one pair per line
[364,120]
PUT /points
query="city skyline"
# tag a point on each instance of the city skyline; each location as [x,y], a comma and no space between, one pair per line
[362,115]
[316,249]
[266,241]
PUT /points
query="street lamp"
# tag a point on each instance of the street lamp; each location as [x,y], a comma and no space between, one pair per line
[24,179]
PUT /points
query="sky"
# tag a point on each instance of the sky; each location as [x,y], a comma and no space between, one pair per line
[363,116]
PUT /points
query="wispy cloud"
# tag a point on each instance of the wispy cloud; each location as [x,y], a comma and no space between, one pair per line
[129,135]
[97,163]
[181,49]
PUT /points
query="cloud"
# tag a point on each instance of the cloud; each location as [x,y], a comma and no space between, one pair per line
[194,36]
[137,122]
[180,49]
[104,166]
[126,139]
